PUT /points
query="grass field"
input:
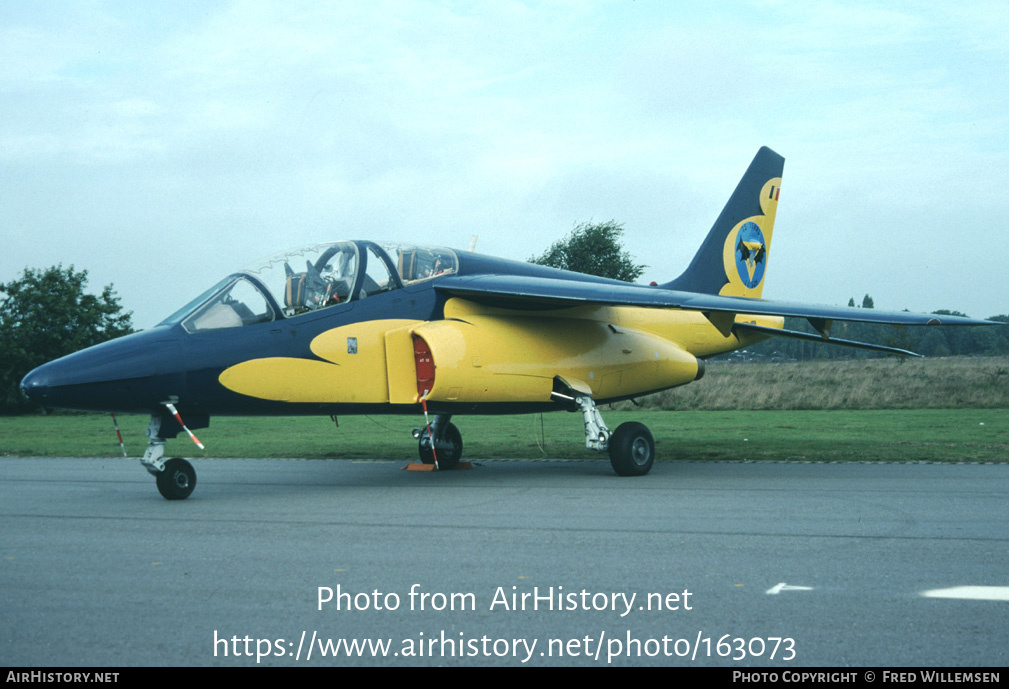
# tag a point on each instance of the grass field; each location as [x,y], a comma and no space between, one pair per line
[980,435]
[886,383]
[954,409]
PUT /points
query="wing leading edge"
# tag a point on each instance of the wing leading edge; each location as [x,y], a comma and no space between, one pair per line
[520,292]
[535,293]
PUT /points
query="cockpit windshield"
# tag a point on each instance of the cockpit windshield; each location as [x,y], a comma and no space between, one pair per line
[312,278]
[417,263]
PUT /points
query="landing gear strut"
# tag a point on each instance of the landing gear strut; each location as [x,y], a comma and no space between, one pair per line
[631,447]
[176,477]
[447,443]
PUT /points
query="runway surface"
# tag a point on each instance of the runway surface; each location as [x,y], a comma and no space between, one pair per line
[510,563]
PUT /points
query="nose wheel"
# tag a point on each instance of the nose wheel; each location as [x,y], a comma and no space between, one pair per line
[178,479]
[175,477]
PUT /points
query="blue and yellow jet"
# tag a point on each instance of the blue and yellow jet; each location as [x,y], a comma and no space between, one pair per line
[360,327]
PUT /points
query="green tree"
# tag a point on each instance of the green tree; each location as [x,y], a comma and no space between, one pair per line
[46,314]
[594,249]
[867,302]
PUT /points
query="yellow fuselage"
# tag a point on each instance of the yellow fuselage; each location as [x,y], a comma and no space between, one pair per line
[483,354]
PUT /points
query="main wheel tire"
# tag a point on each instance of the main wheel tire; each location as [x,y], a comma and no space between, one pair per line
[449,450]
[632,449]
[178,479]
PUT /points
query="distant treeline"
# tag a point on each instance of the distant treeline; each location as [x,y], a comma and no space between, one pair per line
[930,341]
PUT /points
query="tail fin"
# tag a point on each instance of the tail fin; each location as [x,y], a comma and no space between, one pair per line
[733,258]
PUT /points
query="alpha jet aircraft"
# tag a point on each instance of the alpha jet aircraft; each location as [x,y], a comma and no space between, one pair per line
[361,327]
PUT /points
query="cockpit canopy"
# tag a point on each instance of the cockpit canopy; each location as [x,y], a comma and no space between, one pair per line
[312,278]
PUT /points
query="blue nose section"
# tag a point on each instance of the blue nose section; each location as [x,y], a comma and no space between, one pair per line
[35,386]
[131,374]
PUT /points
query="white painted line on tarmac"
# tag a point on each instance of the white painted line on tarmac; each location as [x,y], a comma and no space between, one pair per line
[775,590]
[970,593]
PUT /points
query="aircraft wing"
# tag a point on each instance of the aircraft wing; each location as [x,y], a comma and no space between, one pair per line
[537,293]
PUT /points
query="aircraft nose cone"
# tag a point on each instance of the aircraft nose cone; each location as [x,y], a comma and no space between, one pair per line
[35,386]
[129,374]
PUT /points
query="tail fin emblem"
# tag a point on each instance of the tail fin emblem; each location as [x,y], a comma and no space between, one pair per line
[732,260]
[751,251]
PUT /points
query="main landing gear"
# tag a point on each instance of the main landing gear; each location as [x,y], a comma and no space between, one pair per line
[175,477]
[631,447]
[447,443]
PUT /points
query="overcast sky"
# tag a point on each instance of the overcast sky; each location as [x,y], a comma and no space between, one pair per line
[161,146]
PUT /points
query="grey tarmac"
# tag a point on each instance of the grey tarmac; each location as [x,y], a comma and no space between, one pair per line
[99,570]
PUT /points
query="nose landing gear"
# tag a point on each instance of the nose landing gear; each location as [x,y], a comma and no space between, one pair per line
[178,479]
[175,477]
